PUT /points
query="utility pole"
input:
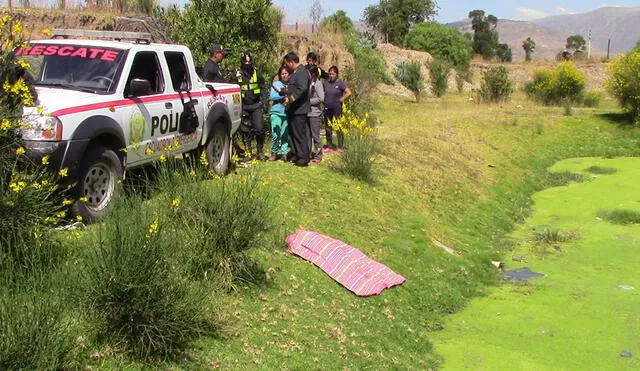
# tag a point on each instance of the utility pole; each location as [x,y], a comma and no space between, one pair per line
[608,48]
[589,46]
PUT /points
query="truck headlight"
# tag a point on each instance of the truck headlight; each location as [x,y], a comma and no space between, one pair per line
[38,127]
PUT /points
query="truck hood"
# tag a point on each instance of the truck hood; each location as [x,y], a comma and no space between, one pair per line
[54,99]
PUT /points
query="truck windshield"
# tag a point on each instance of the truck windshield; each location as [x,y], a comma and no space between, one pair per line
[76,67]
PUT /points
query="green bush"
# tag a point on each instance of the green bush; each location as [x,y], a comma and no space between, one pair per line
[357,161]
[442,42]
[557,86]
[439,72]
[128,282]
[410,76]
[623,82]
[592,99]
[34,335]
[496,85]
[218,222]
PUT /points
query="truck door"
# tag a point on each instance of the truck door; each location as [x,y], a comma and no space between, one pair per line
[181,92]
[151,119]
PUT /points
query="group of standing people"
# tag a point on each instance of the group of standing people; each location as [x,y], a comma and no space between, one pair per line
[302,104]
[303,99]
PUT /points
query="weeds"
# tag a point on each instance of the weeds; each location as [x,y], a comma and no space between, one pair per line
[439,72]
[496,86]
[547,239]
[601,170]
[141,306]
[33,331]
[357,162]
[620,216]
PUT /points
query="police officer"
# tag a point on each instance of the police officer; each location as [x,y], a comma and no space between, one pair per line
[211,71]
[252,84]
[298,106]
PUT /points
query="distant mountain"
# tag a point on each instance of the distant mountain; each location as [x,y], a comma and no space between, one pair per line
[620,24]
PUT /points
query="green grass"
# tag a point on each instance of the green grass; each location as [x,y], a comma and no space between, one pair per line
[574,317]
[448,170]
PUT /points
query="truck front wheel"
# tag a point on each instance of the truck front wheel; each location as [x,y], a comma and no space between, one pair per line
[98,184]
[218,150]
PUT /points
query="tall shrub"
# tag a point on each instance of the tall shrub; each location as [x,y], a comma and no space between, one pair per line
[496,85]
[409,75]
[442,42]
[623,82]
[439,72]
[557,86]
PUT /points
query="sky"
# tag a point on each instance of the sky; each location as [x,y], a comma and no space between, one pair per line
[455,10]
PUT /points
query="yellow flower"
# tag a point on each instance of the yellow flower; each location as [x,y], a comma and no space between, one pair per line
[78,218]
[135,146]
[45,160]
[20,151]
[36,185]
[49,220]
[175,203]
[192,173]
[235,158]
[17,186]
[17,29]
[37,235]
[66,202]
[5,125]
[61,214]
[45,182]
[203,159]
[124,150]
[148,151]
[84,199]
[153,227]
[47,32]
[63,172]
[163,158]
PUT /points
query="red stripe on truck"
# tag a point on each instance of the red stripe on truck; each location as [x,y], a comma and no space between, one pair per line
[129,102]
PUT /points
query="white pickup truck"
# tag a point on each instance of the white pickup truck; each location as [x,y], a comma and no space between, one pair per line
[105,106]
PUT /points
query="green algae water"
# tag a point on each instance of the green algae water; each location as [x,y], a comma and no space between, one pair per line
[584,314]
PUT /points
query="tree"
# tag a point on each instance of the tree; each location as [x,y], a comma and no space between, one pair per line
[315,13]
[529,46]
[394,18]
[442,42]
[239,24]
[485,35]
[576,43]
[504,53]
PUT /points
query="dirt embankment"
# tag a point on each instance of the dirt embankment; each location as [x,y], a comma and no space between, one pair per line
[36,20]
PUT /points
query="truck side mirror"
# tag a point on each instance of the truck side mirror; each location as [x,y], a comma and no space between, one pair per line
[139,87]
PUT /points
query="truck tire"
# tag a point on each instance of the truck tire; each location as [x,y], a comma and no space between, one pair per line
[98,184]
[218,150]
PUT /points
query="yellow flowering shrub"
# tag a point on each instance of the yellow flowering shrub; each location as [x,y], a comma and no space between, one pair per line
[623,82]
[554,86]
[350,122]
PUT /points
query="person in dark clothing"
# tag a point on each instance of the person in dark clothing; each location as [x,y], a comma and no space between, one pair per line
[252,85]
[312,60]
[211,71]
[335,93]
[298,107]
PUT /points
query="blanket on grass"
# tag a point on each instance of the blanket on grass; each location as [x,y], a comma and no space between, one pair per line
[345,264]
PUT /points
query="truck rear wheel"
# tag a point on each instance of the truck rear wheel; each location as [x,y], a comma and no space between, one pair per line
[98,184]
[218,150]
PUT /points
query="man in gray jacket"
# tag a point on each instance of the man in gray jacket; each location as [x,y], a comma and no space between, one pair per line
[297,106]
[316,92]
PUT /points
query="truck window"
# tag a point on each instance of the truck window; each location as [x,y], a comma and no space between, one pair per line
[146,66]
[180,79]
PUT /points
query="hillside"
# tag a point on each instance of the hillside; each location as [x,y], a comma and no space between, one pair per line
[550,33]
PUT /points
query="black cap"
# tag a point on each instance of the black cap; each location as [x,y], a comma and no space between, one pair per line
[218,48]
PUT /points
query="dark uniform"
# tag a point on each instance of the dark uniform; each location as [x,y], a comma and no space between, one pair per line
[251,88]
[297,110]
[211,70]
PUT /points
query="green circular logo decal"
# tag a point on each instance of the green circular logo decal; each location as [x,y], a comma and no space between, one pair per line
[137,128]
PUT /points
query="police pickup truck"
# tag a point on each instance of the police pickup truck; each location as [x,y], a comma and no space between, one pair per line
[105,106]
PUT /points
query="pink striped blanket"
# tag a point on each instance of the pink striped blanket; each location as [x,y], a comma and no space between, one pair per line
[345,264]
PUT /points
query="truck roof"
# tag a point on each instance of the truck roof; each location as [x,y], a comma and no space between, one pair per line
[123,45]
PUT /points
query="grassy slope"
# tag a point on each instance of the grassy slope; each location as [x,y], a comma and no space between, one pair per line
[451,170]
[574,318]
